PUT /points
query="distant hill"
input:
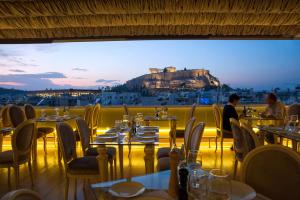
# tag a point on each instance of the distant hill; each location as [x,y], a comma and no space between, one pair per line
[171,79]
[6,91]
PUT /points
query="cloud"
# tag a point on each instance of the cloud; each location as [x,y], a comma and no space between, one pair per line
[31,81]
[13,58]
[78,77]
[107,81]
[17,70]
[79,69]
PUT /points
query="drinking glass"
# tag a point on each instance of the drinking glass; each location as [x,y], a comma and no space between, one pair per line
[194,160]
[43,113]
[197,185]
[118,124]
[57,111]
[219,185]
[125,118]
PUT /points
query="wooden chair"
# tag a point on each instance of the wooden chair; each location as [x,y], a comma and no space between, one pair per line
[22,194]
[21,142]
[5,124]
[294,109]
[164,151]
[85,167]
[42,132]
[251,139]
[181,132]
[16,115]
[239,144]
[126,111]
[95,118]
[273,171]
[194,144]
[196,137]
[84,133]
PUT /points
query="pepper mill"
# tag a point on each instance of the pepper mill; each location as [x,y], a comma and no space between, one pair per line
[173,182]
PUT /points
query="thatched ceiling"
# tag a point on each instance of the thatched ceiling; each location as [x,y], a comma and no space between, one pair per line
[48,20]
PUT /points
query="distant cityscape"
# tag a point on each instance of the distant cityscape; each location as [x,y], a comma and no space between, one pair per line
[165,86]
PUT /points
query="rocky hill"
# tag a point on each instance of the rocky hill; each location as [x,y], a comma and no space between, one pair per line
[170,78]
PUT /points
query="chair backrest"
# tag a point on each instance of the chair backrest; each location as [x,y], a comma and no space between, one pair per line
[29,111]
[192,111]
[22,139]
[67,141]
[188,132]
[5,117]
[87,112]
[22,194]
[218,116]
[250,137]
[196,136]
[126,111]
[84,133]
[284,111]
[16,115]
[238,139]
[294,109]
[96,114]
[273,171]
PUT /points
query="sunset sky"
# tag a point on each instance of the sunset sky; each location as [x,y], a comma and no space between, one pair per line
[260,64]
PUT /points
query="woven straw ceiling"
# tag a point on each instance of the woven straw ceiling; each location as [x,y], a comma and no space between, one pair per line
[48,20]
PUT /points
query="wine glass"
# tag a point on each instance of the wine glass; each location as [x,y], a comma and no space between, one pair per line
[194,160]
[219,185]
[197,185]
[43,113]
[57,111]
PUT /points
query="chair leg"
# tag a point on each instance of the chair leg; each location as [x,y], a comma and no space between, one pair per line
[111,169]
[222,146]
[45,144]
[235,168]
[216,140]
[16,169]
[1,142]
[208,142]
[115,167]
[30,173]
[75,188]
[66,188]
[8,178]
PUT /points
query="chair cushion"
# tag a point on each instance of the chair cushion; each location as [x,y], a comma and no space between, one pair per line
[84,165]
[163,164]
[42,131]
[163,152]
[6,157]
[92,151]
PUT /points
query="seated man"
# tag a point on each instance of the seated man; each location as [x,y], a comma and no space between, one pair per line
[274,109]
[230,112]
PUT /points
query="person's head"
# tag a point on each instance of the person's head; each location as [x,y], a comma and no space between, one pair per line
[234,99]
[271,98]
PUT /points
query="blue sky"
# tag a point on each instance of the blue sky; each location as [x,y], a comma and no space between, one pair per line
[259,64]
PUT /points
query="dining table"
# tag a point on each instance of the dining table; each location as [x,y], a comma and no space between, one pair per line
[292,134]
[53,119]
[172,125]
[157,185]
[257,120]
[121,137]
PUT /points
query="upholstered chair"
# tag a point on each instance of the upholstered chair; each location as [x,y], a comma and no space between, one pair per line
[193,144]
[164,151]
[273,171]
[42,131]
[22,194]
[191,113]
[16,115]
[221,133]
[5,124]
[21,142]
[85,167]
[239,144]
[84,134]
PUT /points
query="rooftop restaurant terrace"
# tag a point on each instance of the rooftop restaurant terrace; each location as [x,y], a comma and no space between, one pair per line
[144,153]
